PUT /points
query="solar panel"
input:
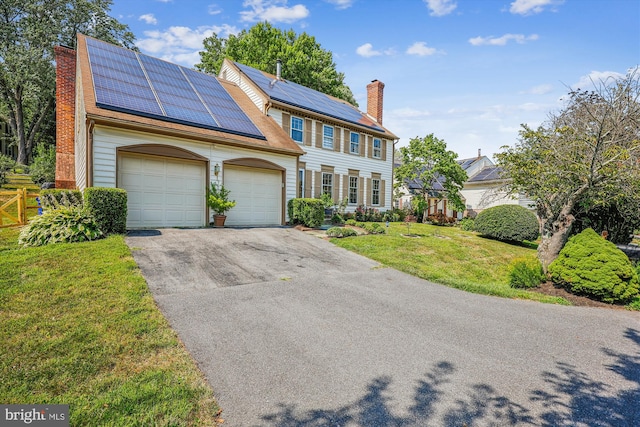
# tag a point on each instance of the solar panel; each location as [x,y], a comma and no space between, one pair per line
[309,99]
[487,174]
[142,85]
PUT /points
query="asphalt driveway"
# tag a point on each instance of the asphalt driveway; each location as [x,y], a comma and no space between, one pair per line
[293,331]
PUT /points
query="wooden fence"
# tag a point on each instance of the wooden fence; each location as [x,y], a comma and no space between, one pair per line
[14,210]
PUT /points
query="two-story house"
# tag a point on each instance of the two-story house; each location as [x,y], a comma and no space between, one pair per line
[164,133]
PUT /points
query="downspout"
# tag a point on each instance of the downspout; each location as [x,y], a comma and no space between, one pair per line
[89,154]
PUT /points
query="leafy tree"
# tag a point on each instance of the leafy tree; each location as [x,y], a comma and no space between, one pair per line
[303,59]
[29,30]
[587,153]
[427,162]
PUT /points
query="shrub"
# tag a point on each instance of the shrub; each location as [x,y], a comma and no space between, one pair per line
[6,164]
[55,198]
[592,266]
[391,216]
[62,225]
[43,168]
[341,232]
[374,228]
[510,223]
[309,212]
[525,273]
[467,224]
[109,207]
[440,219]
[337,219]
[351,222]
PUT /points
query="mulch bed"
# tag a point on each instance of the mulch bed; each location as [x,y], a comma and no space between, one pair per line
[549,288]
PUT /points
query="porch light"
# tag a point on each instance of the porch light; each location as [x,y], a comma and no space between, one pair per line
[216,170]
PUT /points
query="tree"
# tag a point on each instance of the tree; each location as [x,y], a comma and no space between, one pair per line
[29,30]
[587,154]
[303,59]
[427,163]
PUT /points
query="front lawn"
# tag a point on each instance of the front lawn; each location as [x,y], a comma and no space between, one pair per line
[449,256]
[78,326]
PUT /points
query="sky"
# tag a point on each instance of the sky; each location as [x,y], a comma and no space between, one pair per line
[471,72]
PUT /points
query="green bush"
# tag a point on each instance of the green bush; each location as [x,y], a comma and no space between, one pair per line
[55,198]
[109,208]
[6,164]
[62,225]
[526,273]
[43,168]
[592,266]
[341,232]
[306,211]
[337,219]
[508,223]
[467,224]
[352,222]
[374,228]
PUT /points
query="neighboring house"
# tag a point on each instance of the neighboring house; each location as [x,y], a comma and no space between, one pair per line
[7,147]
[480,191]
[164,132]
[348,154]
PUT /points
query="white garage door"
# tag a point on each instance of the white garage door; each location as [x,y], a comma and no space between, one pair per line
[258,195]
[162,192]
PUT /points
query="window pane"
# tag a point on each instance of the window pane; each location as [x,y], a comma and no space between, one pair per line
[375,191]
[327,136]
[296,129]
[377,148]
[301,183]
[355,143]
[353,190]
[327,183]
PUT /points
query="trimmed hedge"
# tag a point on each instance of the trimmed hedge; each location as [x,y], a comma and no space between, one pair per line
[341,232]
[509,223]
[592,266]
[56,198]
[61,225]
[306,211]
[109,207]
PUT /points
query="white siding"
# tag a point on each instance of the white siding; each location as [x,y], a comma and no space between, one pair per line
[232,75]
[479,197]
[342,162]
[80,142]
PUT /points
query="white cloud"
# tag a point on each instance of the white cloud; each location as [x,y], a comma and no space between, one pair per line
[213,9]
[420,49]
[148,18]
[367,51]
[341,4]
[592,80]
[273,11]
[440,7]
[528,7]
[180,44]
[503,40]
[542,89]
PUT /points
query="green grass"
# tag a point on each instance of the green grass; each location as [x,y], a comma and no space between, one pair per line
[450,256]
[78,326]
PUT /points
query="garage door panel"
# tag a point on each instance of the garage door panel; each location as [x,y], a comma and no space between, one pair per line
[162,192]
[258,195]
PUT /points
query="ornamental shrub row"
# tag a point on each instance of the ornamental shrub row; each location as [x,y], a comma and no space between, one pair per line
[70,217]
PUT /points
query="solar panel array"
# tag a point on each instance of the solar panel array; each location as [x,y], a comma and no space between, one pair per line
[487,174]
[134,83]
[309,99]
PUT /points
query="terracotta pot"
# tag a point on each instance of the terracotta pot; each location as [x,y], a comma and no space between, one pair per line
[218,220]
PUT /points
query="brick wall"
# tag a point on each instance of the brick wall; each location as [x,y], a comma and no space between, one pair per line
[375,91]
[65,116]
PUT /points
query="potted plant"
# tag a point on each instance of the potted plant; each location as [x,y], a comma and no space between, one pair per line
[218,201]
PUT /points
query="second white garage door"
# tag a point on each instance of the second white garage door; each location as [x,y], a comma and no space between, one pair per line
[162,192]
[258,194]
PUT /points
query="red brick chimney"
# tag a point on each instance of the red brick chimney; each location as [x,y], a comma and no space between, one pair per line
[375,91]
[65,117]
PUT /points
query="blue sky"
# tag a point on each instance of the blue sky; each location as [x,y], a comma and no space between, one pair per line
[468,71]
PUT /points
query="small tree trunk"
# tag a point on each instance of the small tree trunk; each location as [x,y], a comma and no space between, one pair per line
[552,243]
